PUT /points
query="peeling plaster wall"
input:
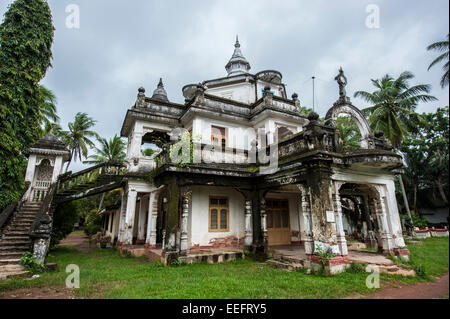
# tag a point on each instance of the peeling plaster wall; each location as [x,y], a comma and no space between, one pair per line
[199,216]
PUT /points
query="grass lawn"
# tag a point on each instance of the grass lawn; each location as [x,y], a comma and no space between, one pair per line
[105,274]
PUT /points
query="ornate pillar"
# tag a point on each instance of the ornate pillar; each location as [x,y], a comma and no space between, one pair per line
[150,241]
[340,234]
[306,213]
[129,217]
[381,213]
[262,210]
[122,215]
[186,198]
[248,224]
[170,251]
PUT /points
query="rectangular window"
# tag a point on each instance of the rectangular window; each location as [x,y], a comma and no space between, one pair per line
[218,214]
[218,136]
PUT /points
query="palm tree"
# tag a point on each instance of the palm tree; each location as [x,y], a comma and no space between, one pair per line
[441,46]
[112,151]
[77,137]
[349,133]
[47,107]
[55,129]
[393,105]
[392,111]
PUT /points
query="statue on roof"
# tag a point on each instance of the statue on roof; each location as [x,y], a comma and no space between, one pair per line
[342,82]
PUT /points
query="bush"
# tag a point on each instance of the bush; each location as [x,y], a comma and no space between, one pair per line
[93,223]
[356,268]
[64,218]
[30,263]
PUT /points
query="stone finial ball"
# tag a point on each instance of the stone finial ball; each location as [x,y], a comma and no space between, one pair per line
[141,90]
[294,96]
[267,88]
[379,134]
[313,116]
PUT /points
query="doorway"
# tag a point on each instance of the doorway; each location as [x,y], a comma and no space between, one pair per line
[278,228]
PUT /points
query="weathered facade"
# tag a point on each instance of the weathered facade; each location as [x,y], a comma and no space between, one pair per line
[253,172]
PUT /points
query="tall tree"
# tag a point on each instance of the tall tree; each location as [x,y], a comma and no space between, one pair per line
[110,151]
[392,111]
[26,37]
[78,137]
[441,46]
[47,107]
[393,105]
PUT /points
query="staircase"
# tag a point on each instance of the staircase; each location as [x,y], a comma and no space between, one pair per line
[15,240]
[285,262]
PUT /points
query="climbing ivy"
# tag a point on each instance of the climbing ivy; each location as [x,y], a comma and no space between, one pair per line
[26,37]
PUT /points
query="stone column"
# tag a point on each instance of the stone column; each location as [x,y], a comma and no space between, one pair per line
[122,215]
[184,223]
[340,234]
[170,251]
[129,218]
[306,213]
[248,223]
[263,213]
[385,236]
[150,241]
[143,212]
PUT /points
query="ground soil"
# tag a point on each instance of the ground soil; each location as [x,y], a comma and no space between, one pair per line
[55,292]
[423,290]
[79,241]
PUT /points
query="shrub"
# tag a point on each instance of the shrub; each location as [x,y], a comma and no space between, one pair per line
[93,223]
[30,263]
[64,218]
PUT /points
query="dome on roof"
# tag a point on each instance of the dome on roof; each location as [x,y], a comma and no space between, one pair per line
[160,93]
[238,64]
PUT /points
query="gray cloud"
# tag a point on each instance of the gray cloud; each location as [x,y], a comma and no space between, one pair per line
[122,45]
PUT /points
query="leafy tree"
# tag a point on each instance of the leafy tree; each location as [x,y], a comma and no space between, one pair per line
[26,37]
[78,136]
[112,151]
[64,218]
[47,107]
[148,152]
[427,157]
[392,112]
[350,134]
[441,46]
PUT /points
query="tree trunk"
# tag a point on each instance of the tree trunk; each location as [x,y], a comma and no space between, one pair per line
[70,160]
[405,199]
[415,198]
[101,202]
[441,191]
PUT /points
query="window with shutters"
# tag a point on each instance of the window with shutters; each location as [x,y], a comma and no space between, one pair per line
[218,214]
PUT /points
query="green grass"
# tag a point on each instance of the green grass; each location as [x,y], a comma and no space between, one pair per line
[78,232]
[105,274]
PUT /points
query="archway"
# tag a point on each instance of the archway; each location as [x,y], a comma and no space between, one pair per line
[364,216]
[357,117]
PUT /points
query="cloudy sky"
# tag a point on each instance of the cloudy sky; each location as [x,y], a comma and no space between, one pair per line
[122,45]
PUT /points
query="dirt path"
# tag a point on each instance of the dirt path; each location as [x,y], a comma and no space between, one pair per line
[79,241]
[422,290]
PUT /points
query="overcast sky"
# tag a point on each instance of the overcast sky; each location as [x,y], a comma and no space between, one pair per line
[122,45]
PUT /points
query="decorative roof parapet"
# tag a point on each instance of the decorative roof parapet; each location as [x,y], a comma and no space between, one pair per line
[140,101]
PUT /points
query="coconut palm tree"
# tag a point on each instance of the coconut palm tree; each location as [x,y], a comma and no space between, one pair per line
[392,111]
[441,46]
[393,104]
[110,151]
[78,136]
[47,108]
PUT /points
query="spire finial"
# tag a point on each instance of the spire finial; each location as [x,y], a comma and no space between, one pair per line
[237,45]
[237,64]
[160,83]
[160,92]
